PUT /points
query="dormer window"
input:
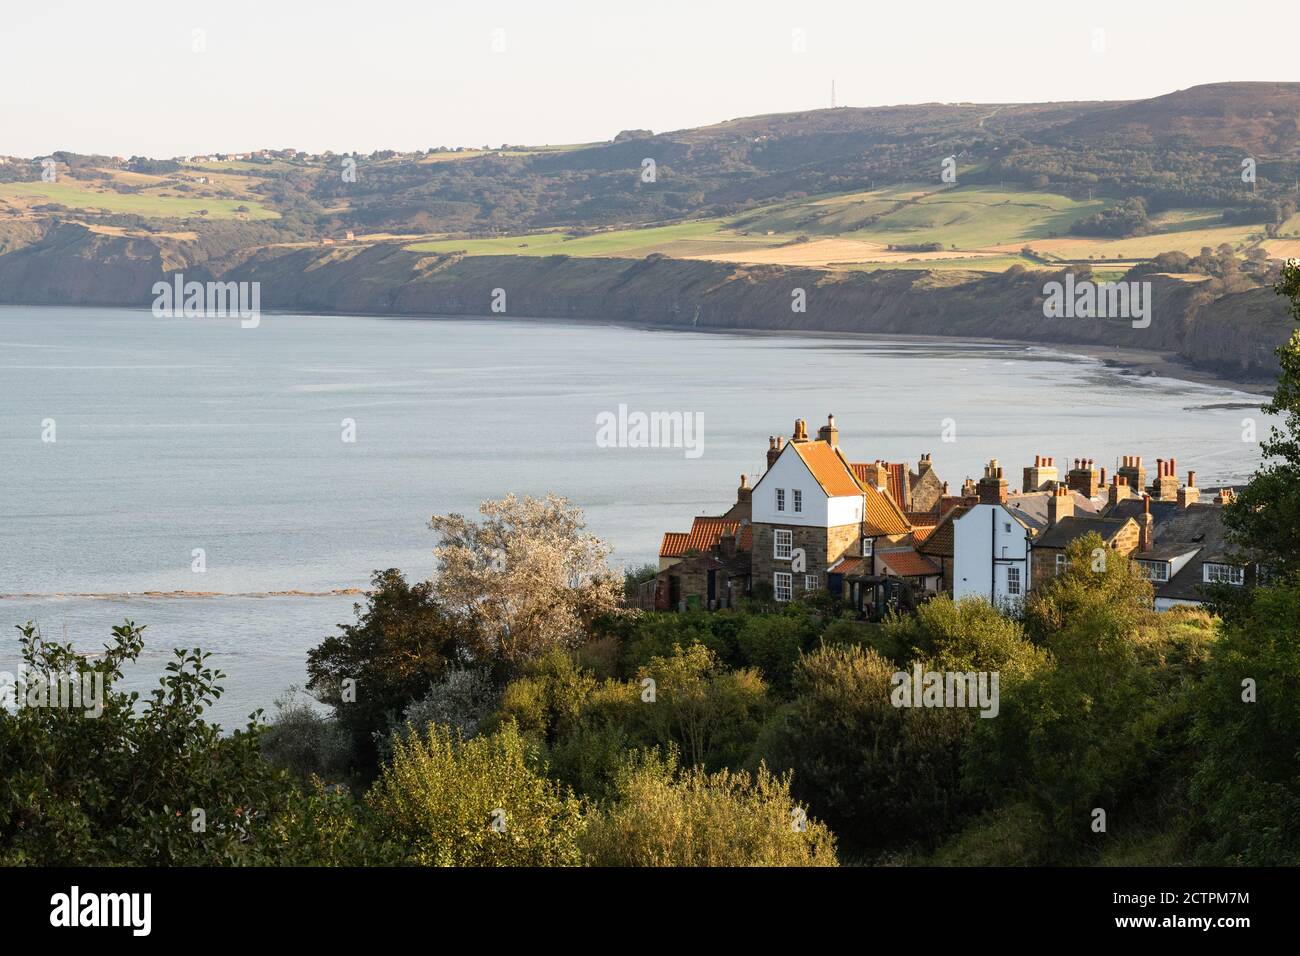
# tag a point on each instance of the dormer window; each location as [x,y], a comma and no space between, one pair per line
[780,499]
[1224,574]
[1154,570]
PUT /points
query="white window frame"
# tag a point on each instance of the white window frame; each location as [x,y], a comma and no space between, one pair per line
[868,547]
[782,584]
[782,544]
[1217,573]
[780,499]
[812,582]
[1062,562]
[1157,571]
[1013,580]
[797,497]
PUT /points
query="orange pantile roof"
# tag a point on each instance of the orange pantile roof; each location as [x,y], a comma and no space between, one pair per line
[704,535]
[897,479]
[847,566]
[828,467]
[674,544]
[883,516]
[907,564]
[922,531]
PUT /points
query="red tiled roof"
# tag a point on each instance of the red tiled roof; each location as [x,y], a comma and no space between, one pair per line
[922,531]
[897,480]
[847,566]
[828,467]
[704,535]
[907,564]
[883,516]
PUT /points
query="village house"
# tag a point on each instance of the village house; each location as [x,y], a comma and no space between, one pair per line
[1003,545]
[814,522]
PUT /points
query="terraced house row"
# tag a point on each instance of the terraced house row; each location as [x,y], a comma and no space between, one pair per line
[879,535]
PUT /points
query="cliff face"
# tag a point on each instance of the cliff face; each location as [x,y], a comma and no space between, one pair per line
[1235,333]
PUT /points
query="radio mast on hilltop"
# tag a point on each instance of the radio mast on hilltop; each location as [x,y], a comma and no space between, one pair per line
[832,92]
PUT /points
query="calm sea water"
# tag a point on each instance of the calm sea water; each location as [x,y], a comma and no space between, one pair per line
[176,435]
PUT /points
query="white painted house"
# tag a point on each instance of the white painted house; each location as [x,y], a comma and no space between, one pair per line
[991,546]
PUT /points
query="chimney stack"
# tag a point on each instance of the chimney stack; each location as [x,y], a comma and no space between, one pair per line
[744,492]
[1165,487]
[1146,526]
[1042,472]
[1059,505]
[1226,496]
[1189,494]
[774,446]
[1083,478]
[993,486]
[1132,470]
[1119,490]
[800,430]
[829,433]
[924,465]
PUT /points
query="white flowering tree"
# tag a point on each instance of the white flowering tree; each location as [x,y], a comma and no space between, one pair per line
[527,577]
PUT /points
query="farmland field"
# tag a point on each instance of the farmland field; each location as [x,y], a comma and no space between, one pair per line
[83,195]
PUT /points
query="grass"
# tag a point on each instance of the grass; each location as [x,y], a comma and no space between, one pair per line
[681,239]
[83,196]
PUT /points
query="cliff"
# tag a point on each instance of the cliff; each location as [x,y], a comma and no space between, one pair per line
[1234,334]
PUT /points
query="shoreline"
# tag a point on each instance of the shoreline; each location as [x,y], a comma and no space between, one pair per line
[1142,363]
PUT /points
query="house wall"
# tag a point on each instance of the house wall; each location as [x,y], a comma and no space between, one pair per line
[823,548]
[987,541]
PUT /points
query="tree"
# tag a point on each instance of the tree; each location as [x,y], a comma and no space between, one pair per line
[711,713]
[1265,517]
[662,818]
[524,580]
[880,776]
[479,802]
[370,671]
[118,784]
[1247,733]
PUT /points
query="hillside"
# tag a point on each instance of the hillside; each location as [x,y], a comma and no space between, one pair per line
[827,198]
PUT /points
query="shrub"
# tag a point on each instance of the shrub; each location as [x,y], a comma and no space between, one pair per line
[453,802]
[660,818]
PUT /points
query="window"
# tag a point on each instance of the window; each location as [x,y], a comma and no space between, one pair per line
[811,582]
[780,499]
[798,499]
[1006,527]
[1154,570]
[868,547]
[782,541]
[782,585]
[1062,562]
[1224,574]
[1013,580]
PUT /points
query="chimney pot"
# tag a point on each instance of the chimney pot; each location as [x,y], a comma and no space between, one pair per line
[1191,479]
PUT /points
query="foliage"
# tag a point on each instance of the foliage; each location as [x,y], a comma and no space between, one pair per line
[1265,518]
[880,776]
[122,788]
[306,742]
[454,802]
[1247,784]
[525,579]
[371,670]
[662,818]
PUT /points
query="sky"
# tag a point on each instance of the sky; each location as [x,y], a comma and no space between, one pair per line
[174,77]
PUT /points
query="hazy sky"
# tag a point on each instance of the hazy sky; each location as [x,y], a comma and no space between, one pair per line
[125,77]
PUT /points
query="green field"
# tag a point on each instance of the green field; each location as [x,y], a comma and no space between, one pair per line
[681,237]
[77,195]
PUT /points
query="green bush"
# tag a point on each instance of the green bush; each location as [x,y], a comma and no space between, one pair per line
[661,818]
[453,802]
